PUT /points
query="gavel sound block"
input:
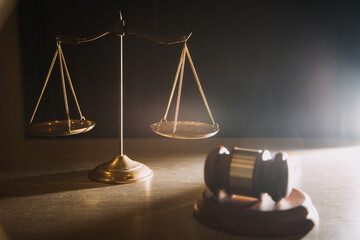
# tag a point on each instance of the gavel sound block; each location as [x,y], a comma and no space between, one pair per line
[249,193]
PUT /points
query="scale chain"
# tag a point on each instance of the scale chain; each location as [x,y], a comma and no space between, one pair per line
[175,83]
[179,92]
[70,83]
[198,83]
[45,84]
[64,89]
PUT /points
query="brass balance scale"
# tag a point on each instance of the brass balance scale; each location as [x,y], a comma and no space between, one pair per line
[121,169]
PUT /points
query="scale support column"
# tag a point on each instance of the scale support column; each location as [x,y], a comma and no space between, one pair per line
[121,169]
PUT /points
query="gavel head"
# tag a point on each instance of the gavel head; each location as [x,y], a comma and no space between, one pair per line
[248,172]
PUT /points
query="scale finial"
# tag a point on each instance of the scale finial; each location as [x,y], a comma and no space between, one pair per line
[120,15]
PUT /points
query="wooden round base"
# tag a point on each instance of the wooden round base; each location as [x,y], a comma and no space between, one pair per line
[294,215]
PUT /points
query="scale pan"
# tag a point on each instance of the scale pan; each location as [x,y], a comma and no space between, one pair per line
[60,127]
[185,129]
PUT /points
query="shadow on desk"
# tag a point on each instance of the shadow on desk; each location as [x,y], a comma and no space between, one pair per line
[49,183]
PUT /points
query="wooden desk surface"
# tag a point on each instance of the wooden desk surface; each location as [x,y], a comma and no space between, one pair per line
[45,192]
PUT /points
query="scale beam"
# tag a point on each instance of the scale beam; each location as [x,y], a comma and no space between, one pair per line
[119,29]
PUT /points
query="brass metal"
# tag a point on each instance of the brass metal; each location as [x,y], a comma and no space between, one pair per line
[121,30]
[185,129]
[242,167]
[168,40]
[60,127]
[121,169]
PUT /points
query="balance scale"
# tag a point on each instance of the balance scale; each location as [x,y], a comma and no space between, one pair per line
[121,169]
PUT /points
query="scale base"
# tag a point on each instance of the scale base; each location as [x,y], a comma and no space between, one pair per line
[121,169]
[294,215]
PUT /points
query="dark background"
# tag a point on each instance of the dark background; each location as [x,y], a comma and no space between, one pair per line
[268,68]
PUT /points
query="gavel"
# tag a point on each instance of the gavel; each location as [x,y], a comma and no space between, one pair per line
[249,172]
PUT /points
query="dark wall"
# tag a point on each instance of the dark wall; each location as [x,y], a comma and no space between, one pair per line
[268,68]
